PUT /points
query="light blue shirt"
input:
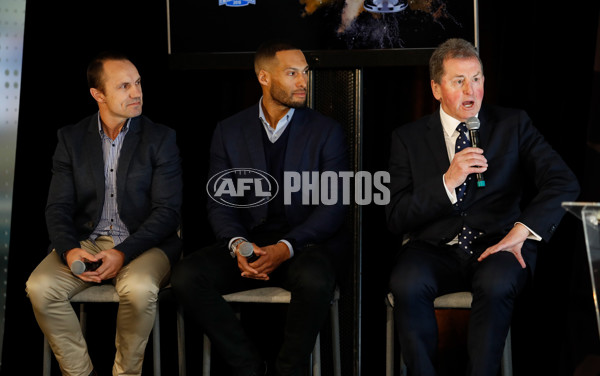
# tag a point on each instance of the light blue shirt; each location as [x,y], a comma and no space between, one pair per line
[274,133]
[110,223]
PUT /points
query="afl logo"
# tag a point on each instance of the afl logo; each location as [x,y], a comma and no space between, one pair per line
[242,187]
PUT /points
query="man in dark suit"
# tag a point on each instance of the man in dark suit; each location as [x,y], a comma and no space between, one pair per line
[436,202]
[114,199]
[298,244]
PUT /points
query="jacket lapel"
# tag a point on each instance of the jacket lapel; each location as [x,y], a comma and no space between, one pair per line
[485,129]
[297,139]
[93,143]
[253,139]
[130,142]
[435,140]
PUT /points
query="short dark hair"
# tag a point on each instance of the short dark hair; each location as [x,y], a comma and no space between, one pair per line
[95,68]
[267,51]
[454,48]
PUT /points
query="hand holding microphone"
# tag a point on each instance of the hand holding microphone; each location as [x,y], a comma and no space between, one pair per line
[246,249]
[271,257]
[78,266]
[473,125]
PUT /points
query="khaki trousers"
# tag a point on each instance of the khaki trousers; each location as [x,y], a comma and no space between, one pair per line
[52,284]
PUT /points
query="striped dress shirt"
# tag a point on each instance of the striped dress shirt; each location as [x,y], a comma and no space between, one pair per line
[110,223]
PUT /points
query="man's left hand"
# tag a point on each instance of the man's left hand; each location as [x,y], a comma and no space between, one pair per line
[512,242]
[112,262]
[274,256]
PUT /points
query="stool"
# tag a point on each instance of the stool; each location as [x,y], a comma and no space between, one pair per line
[107,293]
[280,295]
[457,300]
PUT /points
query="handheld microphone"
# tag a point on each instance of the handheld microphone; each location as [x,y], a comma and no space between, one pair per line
[246,249]
[78,266]
[473,126]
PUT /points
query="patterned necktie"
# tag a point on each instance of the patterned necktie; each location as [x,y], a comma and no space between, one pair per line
[466,235]
[462,142]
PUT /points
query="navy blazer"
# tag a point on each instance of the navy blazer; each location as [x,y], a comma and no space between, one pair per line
[315,143]
[517,156]
[149,187]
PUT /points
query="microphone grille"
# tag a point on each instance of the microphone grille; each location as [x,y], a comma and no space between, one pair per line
[473,123]
[77,267]
[246,249]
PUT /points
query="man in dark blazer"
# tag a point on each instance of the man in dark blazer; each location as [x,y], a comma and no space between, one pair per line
[299,244]
[436,202]
[114,199]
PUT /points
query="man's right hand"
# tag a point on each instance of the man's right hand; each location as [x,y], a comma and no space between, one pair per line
[466,162]
[82,255]
[271,257]
[247,270]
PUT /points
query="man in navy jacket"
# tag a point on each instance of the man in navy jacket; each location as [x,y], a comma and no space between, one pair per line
[427,208]
[299,244]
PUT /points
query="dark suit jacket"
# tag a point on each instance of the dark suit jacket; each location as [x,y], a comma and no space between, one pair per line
[148,187]
[517,155]
[315,143]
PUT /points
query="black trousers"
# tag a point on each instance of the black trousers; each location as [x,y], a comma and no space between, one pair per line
[423,272]
[200,279]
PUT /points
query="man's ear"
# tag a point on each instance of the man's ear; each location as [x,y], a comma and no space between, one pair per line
[435,89]
[97,95]
[264,78]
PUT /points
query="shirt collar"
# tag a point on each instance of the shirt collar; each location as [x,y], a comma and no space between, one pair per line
[449,123]
[123,130]
[282,123]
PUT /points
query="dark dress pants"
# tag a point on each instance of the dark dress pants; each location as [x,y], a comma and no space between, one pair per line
[423,272]
[200,280]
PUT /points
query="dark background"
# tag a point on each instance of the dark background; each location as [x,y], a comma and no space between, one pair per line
[239,29]
[537,56]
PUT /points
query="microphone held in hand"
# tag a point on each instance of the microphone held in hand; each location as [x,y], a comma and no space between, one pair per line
[78,266]
[246,249]
[473,126]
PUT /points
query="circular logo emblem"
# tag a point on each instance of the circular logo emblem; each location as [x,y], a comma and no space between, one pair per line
[242,187]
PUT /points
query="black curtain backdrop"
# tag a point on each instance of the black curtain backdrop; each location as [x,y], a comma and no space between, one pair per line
[537,56]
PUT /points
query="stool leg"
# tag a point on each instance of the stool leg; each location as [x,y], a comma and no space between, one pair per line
[47,358]
[506,363]
[181,341]
[82,318]
[206,357]
[335,333]
[389,342]
[316,357]
[156,343]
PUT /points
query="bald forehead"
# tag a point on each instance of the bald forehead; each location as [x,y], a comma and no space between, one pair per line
[118,65]
[118,72]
